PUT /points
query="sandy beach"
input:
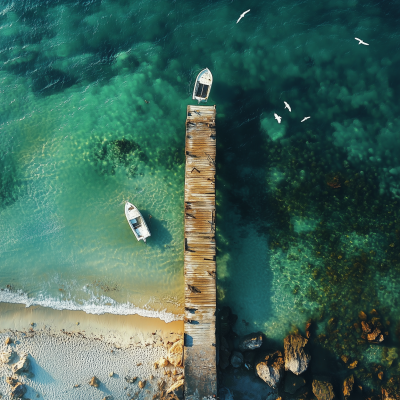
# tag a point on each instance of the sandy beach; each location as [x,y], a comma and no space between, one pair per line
[67,348]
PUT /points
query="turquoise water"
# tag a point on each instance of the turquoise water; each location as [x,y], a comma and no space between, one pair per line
[307,217]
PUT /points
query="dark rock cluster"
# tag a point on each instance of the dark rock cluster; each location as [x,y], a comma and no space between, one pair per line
[286,369]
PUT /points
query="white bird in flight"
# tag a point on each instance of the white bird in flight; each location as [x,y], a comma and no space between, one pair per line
[305,118]
[361,42]
[278,118]
[287,106]
[242,15]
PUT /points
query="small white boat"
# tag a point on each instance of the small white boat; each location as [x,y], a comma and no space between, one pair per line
[202,86]
[136,222]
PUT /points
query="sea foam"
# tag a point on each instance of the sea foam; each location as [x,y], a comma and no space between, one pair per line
[94,305]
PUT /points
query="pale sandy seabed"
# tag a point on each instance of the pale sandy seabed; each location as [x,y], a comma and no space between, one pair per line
[68,348]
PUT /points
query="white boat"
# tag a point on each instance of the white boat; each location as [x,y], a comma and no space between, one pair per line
[136,222]
[202,86]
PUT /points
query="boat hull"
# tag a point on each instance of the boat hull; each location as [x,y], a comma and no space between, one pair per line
[202,86]
[136,222]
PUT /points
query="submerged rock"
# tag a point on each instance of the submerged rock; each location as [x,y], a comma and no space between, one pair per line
[236,359]
[293,382]
[362,316]
[251,342]
[365,327]
[348,384]
[224,356]
[175,353]
[21,366]
[322,389]
[353,365]
[390,394]
[375,335]
[296,358]
[270,368]
[249,357]
[226,320]
[308,327]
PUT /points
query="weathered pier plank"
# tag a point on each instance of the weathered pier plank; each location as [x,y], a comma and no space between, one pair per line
[200,252]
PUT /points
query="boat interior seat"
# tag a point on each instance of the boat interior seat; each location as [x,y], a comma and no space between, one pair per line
[136,222]
[202,90]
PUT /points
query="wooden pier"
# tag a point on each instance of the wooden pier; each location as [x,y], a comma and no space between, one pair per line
[200,266]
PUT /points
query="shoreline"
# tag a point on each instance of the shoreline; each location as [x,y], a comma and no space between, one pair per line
[67,348]
[92,307]
[110,327]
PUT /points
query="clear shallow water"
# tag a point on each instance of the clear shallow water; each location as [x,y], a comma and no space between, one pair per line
[316,202]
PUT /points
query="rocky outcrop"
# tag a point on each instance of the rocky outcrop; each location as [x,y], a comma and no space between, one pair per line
[348,384]
[18,389]
[176,385]
[236,359]
[270,368]
[323,389]
[142,384]
[162,362]
[22,366]
[296,358]
[175,353]
[293,382]
[94,382]
[130,379]
[251,342]
[7,356]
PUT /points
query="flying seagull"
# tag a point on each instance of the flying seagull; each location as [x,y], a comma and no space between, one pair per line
[242,15]
[287,106]
[278,118]
[361,42]
[305,118]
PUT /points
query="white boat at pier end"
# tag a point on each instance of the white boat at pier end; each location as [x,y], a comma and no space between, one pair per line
[202,86]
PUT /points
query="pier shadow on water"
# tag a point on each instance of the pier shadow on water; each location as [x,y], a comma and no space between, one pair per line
[243,217]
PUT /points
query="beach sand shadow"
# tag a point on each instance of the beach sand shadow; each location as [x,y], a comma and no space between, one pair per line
[40,374]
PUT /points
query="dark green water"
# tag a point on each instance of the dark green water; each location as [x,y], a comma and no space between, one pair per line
[307,212]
